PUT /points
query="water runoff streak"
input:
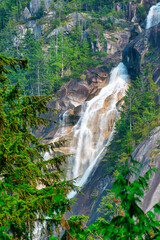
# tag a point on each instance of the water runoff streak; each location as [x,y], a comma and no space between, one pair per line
[95,126]
[153,17]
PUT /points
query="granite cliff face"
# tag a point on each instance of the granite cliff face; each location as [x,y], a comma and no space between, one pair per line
[35,5]
[145,48]
[140,48]
[77,91]
[146,154]
[148,3]
[92,193]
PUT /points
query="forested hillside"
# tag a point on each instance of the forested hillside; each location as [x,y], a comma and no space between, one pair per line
[79,117]
[57,51]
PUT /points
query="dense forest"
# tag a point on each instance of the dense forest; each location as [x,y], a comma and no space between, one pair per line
[66,55]
[33,192]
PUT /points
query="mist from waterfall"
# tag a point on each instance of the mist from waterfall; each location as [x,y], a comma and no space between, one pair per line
[153,17]
[95,127]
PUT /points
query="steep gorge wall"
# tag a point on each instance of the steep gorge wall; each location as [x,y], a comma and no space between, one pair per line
[92,193]
[144,49]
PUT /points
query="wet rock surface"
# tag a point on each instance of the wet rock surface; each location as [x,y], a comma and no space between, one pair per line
[78,90]
[88,201]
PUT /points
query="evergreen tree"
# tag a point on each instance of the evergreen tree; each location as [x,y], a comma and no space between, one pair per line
[32,190]
[31,48]
[139,115]
[130,221]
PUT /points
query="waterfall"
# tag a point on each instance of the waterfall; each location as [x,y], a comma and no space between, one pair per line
[153,17]
[93,131]
[95,127]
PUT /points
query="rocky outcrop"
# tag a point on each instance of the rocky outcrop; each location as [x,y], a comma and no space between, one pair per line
[26,14]
[146,154]
[144,49]
[129,8]
[148,3]
[135,31]
[116,41]
[35,5]
[78,90]
[71,22]
[92,193]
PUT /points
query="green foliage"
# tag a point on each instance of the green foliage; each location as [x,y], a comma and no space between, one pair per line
[31,189]
[40,13]
[67,56]
[11,10]
[139,115]
[141,12]
[109,205]
[77,227]
[130,221]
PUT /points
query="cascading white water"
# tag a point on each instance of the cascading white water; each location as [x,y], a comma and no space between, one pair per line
[153,17]
[95,126]
[93,131]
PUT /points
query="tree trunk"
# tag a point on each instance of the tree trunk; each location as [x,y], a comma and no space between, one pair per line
[38,78]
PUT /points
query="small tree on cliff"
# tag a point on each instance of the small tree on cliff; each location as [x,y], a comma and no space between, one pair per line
[131,222]
[28,190]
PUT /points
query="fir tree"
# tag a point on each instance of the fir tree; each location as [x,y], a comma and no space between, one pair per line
[130,221]
[32,190]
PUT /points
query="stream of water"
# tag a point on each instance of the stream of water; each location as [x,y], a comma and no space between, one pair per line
[153,17]
[95,127]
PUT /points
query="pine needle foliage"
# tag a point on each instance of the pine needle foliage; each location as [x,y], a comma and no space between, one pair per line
[138,116]
[32,190]
[131,223]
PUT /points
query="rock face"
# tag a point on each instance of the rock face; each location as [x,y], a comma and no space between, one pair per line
[148,3]
[35,5]
[144,49]
[128,8]
[78,90]
[143,155]
[92,193]
[130,11]
[26,14]
[71,22]
[116,41]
